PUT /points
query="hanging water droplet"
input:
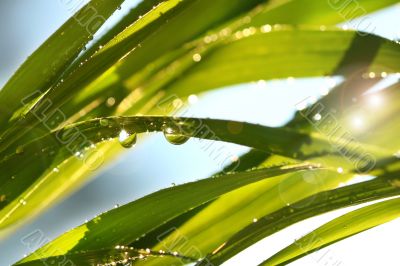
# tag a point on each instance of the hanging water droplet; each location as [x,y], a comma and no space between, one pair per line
[56,170]
[127,140]
[174,136]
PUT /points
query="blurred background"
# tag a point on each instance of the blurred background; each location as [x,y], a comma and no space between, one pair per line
[24,25]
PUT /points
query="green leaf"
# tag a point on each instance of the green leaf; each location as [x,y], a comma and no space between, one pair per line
[50,60]
[312,206]
[338,229]
[123,225]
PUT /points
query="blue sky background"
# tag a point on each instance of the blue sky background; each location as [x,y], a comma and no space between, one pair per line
[24,25]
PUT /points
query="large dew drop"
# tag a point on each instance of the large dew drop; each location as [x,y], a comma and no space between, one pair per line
[174,136]
[127,140]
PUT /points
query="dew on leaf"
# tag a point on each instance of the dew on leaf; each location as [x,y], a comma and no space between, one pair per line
[174,136]
[126,139]
[19,150]
[104,122]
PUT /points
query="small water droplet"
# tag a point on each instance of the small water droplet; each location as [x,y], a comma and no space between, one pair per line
[127,140]
[174,136]
[56,170]
[317,117]
[192,99]
[197,57]
[266,28]
[19,150]
[110,101]
[22,201]
[104,122]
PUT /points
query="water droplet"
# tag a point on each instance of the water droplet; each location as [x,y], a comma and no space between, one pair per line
[19,150]
[266,28]
[317,117]
[340,170]
[110,101]
[104,122]
[255,220]
[192,99]
[174,136]
[56,170]
[127,140]
[197,57]
[22,201]
[119,8]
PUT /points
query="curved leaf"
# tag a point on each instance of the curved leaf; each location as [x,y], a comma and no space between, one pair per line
[340,228]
